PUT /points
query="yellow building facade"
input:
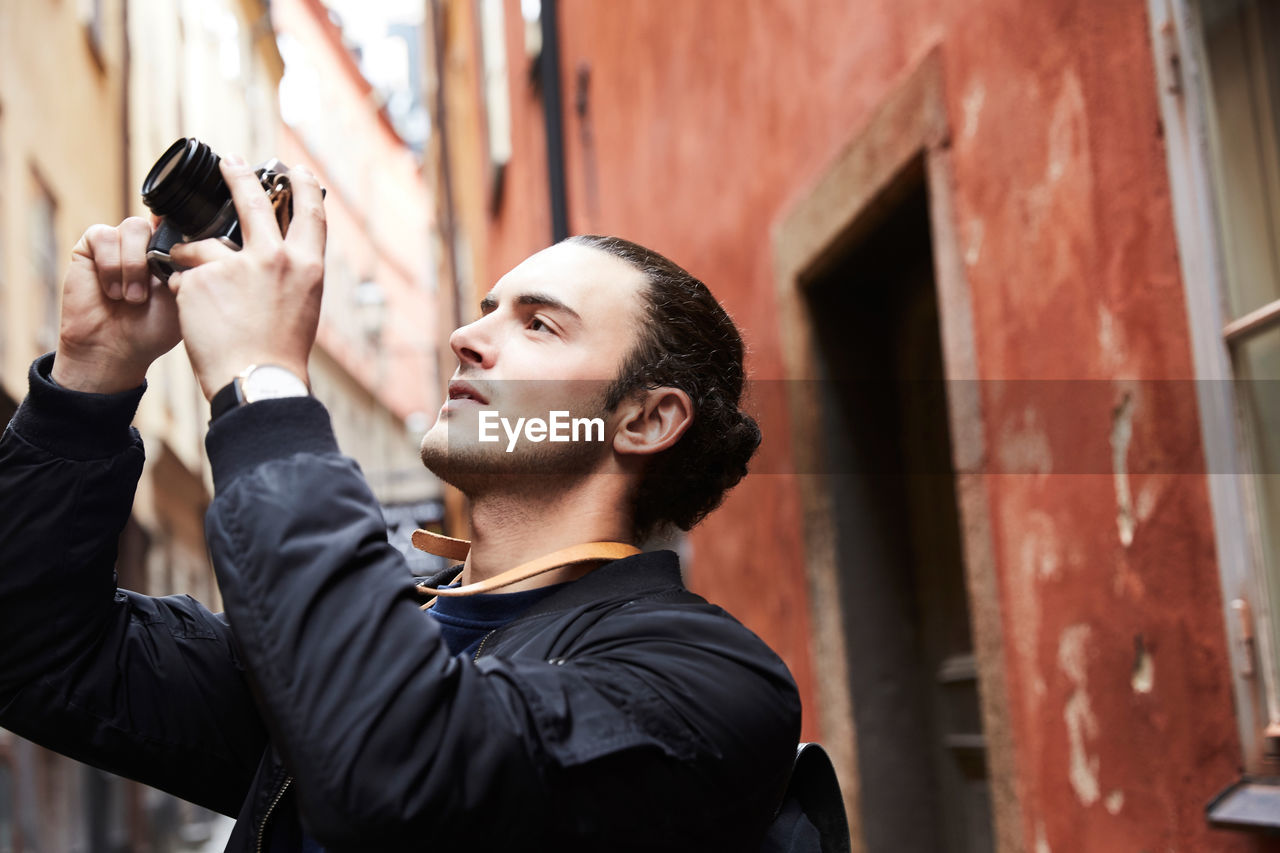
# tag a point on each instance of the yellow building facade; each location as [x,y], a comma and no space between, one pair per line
[91,93]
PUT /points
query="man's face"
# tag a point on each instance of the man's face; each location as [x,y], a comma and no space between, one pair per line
[552,336]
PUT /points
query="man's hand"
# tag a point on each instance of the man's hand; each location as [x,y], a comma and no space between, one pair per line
[260,305]
[116,317]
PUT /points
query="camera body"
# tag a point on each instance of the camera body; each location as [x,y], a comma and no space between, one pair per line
[186,190]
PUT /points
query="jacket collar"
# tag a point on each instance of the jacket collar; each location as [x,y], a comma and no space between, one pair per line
[629,577]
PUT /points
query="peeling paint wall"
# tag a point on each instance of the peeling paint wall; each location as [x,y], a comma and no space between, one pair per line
[703,122]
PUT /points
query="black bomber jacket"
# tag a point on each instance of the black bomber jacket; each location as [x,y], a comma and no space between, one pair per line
[620,713]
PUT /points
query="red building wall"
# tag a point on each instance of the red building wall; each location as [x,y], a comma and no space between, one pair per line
[705,121]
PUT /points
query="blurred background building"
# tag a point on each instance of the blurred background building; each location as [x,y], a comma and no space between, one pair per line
[91,92]
[1009,274]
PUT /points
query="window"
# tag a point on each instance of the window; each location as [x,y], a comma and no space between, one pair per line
[497,98]
[1242,76]
[44,258]
[1218,74]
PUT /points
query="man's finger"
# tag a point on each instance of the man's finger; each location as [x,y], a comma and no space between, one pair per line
[104,248]
[135,233]
[199,252]
[257,216]
[307,228]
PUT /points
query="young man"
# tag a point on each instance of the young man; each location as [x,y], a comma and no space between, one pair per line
[595,706]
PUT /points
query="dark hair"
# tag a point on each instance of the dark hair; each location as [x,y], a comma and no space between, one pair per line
[690,343]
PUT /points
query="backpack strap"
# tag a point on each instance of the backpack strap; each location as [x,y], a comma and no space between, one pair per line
[811,818]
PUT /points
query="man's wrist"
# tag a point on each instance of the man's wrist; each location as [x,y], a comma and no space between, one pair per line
[73,424]
[216,377]
[95,375]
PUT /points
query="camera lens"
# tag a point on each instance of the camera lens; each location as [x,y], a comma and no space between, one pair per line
[185,187]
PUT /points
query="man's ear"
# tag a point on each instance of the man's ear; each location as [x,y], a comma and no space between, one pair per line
[653,421]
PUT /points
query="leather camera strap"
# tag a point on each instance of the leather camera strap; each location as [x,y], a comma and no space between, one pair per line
[457,549]
[441,546]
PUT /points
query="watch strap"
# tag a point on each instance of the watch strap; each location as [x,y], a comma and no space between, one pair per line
[225,400]
[237,393]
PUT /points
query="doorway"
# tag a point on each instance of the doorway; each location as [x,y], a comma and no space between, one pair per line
[913,681]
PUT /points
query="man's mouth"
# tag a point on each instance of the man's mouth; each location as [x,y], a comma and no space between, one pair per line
[459,390]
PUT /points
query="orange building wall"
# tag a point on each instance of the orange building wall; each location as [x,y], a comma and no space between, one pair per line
[707,120]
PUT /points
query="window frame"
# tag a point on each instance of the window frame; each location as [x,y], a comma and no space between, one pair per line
[1177,42]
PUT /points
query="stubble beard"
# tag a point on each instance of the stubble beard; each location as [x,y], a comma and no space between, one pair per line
[532,468]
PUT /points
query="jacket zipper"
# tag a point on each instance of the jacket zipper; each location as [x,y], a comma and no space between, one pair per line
[480,647]
[262,828]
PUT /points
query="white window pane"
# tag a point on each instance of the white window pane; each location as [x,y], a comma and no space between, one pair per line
[1242,46]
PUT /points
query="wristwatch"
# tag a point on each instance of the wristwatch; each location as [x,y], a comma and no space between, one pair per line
[256,382]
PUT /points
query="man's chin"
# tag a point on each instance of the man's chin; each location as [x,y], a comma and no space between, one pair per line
[443,457]
[475,468]
[446,462]
[467,466]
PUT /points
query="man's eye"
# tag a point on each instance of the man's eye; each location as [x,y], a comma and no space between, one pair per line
[537,325]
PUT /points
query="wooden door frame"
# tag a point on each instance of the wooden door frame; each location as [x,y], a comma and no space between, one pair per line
[910,128]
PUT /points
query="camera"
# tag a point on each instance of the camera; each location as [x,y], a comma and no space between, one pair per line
[185,189]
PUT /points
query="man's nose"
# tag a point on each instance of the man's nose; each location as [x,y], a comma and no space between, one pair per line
[472,346]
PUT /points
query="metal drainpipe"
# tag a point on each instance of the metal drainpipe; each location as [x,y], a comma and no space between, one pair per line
[549,71]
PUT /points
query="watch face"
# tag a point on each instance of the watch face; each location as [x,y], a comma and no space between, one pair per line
[270,382]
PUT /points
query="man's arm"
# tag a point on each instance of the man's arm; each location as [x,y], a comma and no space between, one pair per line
[69,464]
[658,730]
[148,688]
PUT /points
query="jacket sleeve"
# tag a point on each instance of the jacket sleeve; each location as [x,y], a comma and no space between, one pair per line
[145,687]
[396,744]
